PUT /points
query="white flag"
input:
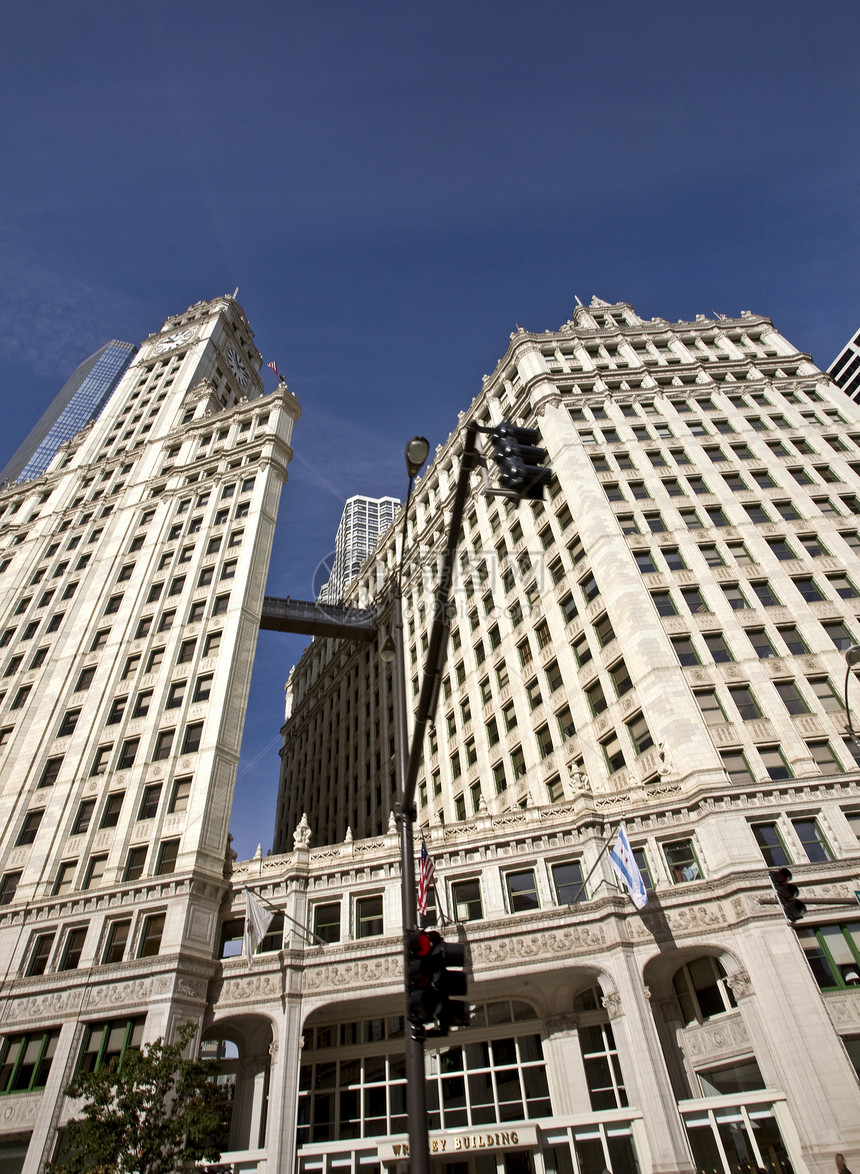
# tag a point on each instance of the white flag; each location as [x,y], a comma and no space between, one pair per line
[621,855]
[257,921]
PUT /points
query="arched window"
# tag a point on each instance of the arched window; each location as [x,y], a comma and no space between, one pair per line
[702,990]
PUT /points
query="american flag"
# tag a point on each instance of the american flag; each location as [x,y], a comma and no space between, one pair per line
[274,367]
[426,873]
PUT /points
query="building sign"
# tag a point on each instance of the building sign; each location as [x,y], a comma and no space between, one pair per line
[453,1143]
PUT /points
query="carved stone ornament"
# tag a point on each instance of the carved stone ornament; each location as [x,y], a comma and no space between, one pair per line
[612,1003]
[356,975]
[560,1025]
[668,1010]
[250,988]
[579,939]
[302,834]
[844,1010]
[716,1041]
[665,766]
[740,983]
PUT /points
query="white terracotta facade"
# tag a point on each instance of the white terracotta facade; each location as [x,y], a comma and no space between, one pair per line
[660,642]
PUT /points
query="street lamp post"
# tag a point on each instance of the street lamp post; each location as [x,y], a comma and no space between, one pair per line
[417,451]
[852,658]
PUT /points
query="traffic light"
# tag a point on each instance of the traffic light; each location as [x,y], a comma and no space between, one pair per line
[518,458]
[433,974]
[787,894]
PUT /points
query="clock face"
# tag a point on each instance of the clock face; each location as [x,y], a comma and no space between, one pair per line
[172,340]
[237,366]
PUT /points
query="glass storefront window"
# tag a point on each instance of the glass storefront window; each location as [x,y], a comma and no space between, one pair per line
[737,1139]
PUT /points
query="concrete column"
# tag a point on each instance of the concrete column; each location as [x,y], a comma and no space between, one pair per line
[644,1068]
[286,1056]
[565,1070]
[44,1134]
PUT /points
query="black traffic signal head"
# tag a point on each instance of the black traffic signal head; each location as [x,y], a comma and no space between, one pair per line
[518,457]
[434,974]
[787,894]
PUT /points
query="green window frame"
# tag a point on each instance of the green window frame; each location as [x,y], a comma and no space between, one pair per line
[814,845]
[25,1060]
[104,1041]
[680,857]
[466,901]
[771,846]
[833,953]
[567,881]
[522,891]
[369,917]
[326,921]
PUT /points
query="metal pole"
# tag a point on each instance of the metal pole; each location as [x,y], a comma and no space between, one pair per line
[407,761]
[416,1092]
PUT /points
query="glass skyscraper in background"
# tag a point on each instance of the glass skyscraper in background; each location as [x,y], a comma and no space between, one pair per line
[80,399]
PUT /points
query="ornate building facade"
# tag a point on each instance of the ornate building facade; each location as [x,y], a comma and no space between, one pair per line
[661,642]
[132,575]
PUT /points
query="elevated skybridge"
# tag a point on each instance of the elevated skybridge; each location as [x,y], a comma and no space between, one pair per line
[317,619]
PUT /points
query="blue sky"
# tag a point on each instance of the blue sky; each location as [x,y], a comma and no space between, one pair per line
[394,186]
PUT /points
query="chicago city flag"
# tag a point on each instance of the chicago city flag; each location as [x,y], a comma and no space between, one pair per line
[621,855]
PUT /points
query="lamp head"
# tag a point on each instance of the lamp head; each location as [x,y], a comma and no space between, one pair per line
[417,451]
[852,654]
[387,651]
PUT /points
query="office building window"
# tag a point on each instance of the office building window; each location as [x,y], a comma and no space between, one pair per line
[149,802]
[522,891]
[792,639]
[179,796]
[192,738]
[808,588]
[117,940]
[83,819]
[326,921]
[792,698]
[827,696]
[113,806]
[40,953]
[774,762]
[770,842]
[368,917]
[168,854]
[69,722]
[761,643]
[833,953]
[685,650]
[25,1060]
[717,647]
[811,840]
[134,864]
[466,900]
[702,990]
[150,936]
[822,753]
[734,596]
[567,881]
[681,861]
[613,753]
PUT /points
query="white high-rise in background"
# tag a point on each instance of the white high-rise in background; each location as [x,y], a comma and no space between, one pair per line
[363,522]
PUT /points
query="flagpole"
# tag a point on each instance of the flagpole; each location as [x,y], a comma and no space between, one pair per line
[591,873]
[291,920]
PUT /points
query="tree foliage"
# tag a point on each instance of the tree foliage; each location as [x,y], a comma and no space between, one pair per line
[150,1115]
